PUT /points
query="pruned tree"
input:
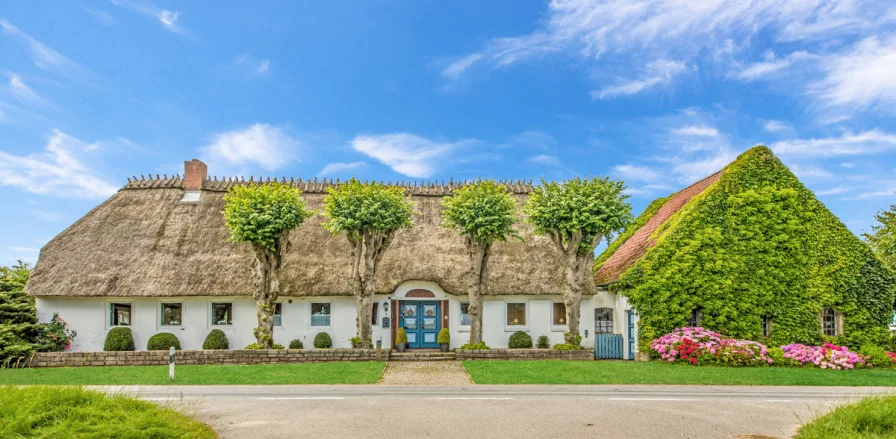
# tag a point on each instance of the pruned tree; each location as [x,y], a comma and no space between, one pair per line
[263,215]
[369,215]
[576,215]
[882,238]
[484,213]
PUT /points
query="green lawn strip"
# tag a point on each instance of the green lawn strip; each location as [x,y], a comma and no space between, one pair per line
[626,372]
[870,418]
[71,412]
[303,373]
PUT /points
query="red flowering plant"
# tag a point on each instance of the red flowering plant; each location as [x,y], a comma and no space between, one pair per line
[699,346]
[56,336]
[892,356]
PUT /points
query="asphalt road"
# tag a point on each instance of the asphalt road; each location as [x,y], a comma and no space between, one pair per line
[502,411]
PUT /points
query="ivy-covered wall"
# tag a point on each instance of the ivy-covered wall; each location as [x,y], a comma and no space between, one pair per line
[758,243]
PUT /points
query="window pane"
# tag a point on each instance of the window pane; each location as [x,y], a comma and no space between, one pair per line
[829,322]
[278,314]
[409,310]
[222,313]
[120,314]
[464,314]
[410,323]
[430,310]
[172,314]
[320,314]
[603,321]
[559,314]
[516,314]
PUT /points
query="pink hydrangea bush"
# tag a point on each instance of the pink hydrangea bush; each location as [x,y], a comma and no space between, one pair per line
[892,356]
[700,346]
[827,356]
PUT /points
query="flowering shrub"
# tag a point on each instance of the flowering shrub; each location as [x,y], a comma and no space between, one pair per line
[892,356]
[700,346]
[56,336]
[827,356]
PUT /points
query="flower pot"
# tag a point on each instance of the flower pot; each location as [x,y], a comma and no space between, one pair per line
[444,347]
[401,346]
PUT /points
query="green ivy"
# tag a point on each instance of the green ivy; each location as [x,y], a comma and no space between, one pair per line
[758,243]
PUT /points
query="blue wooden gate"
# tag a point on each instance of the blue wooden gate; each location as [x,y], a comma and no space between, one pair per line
[607,346]
[631,334]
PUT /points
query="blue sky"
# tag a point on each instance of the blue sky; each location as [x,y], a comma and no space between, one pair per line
[659,93]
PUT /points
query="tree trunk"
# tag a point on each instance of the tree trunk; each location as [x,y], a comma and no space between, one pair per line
[268,266]
[572,297]
[370,246]
[479,263]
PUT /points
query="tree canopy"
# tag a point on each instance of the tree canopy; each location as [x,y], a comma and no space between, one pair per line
[260,213]
[482,211]
[354,207]
[882,238]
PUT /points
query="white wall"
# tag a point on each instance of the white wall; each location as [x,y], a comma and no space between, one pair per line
[89,316]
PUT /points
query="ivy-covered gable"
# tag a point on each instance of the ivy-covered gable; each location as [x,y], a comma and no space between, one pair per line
[754,245]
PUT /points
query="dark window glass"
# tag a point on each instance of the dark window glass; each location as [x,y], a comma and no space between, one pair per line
[222,314]
[829,321]
[696,318]
[278,314]
[516,314]
[120,314]
[320,314]
[465,314]
[603,321]
[766,326]
[373,315]
[559,311]
[172,314]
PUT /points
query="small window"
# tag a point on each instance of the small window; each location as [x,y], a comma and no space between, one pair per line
[559,314]
[120,314]
[829,322]
[222,314]
[465,313]
[603,321]
[374,313]
[172,314]
[320,314]
[766,326]
[278,314]
[696,318]
[516,314]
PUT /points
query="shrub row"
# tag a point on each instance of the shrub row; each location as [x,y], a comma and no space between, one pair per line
[122,339]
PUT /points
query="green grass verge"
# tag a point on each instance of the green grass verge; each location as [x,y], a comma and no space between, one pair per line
[628,372]
[870,418]
[302,373]
[71,412]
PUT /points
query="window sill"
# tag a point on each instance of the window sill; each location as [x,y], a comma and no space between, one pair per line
[516,328]
[559,328]
[463,329]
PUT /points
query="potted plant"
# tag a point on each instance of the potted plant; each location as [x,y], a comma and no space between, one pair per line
[401,340]
[444,339]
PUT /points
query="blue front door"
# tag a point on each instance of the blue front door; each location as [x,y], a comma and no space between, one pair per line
[631,334]
[422,321]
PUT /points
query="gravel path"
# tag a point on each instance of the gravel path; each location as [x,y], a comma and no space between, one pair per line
[425,373]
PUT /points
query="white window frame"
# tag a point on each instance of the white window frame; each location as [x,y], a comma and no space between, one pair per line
[514,328]
[460,327]
[311,315]
[159,313]
[557,328]
[108,311]
[612,320]
[282,311]
[211,313]
[838,322]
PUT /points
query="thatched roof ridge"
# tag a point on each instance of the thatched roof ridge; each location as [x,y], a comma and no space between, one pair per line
[317,186]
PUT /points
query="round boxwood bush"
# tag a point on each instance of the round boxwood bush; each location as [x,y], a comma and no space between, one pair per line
[119,339]
[520,340]
[162,342]
[323,341]
[216,340]
[543,342]
[296,344]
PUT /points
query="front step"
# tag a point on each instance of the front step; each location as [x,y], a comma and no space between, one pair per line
[422,356]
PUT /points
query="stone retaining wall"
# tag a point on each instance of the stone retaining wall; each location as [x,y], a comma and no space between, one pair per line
[524,354]
[151,358]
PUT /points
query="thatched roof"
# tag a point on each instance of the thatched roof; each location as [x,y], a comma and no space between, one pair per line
[144,241]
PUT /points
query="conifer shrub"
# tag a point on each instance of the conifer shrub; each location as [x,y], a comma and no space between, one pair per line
[296,344]
[216,340]
[119,339]
[520,340]
[401,336]
[323,341]
[444,336]
[163,341]
[543,342]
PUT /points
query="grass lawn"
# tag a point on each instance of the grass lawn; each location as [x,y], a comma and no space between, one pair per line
[871,418]
[302,373]
[628,372]
[71,412]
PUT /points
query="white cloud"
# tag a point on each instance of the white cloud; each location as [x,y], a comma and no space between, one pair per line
[810,172]
[635,173]
[407,154]
[860,78]
[167,18]
[774,126]
[867,142]
[459,66]
[697,131]
[23,93]
[336,168]
[771,65]
[837,190]
[261,144]
[62,170]
[252,64]
[544,159]
[42,55]
[657,72]
[104,17]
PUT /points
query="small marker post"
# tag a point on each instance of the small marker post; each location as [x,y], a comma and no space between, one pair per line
[171,364]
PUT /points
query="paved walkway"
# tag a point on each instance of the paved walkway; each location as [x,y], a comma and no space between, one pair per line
[425,373]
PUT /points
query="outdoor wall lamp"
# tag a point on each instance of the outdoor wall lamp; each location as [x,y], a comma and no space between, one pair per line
[586,333]
[386,306]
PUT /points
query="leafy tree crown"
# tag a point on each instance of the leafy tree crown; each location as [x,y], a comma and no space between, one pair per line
[356,208]
[882,238]
[260,213]
[482,211]
[592,206]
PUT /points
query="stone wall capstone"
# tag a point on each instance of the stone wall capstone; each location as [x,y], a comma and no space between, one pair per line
[158,358]
[524,354]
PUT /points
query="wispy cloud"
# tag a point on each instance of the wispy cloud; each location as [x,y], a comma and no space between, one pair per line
[697,131]
[775,126]
[261,144]
[631,173]
[62,170]
[860,78]
[771,65]
[407,154]
[545,160]
[657,72]
[22,92]
[867,142]
[252,65]
[167,18]
[337,168]
[531,139]
[44,56]
[46,215]
[456,68]
[104,17]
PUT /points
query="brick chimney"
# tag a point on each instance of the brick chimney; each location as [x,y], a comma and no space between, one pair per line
[195,172]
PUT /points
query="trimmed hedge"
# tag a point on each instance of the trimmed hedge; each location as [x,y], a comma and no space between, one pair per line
[323,341]
[162,342]
[216,339]
[757,243]
[444,337]
[296,344]
[543,342]
[119,339]
[520,340]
